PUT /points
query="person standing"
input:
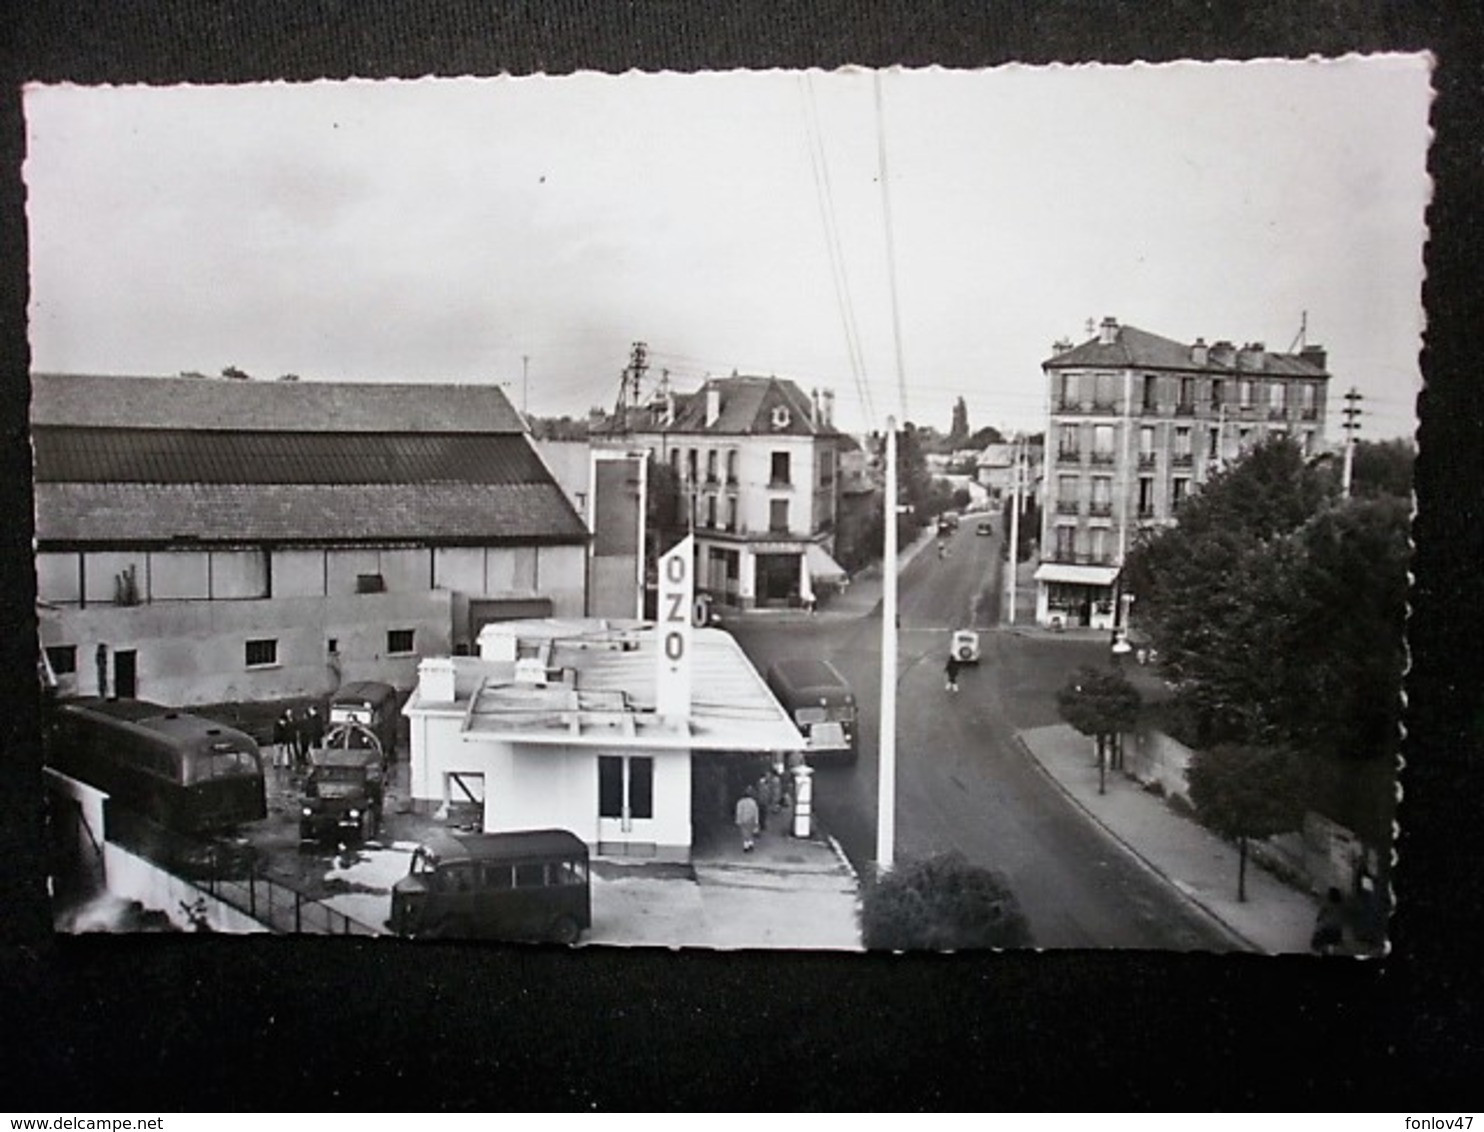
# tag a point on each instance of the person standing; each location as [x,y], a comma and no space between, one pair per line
[282,737]
[950,672]
[314,727]
[747,819]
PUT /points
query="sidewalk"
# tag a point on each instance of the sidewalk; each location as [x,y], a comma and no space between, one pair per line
[1274,919]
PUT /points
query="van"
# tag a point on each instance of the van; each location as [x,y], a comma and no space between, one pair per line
[373,705]
[524,886]
[820,702]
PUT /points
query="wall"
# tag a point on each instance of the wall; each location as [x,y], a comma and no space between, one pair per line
[195,652]
[133,878]
[1152,756]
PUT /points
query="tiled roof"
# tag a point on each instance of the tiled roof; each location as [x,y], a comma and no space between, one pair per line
[132,513]
[1133,348]
[268,406]
[120,455]
[747,405]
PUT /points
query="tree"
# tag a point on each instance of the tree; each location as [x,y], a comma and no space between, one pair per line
[1243,792]
[1382,468]
[1101,704]
[236,374]
[958,432]
[1030,525]
[941,904]
[984,437]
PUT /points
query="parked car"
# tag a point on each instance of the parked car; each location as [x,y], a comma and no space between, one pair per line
[984,528]
[965,646]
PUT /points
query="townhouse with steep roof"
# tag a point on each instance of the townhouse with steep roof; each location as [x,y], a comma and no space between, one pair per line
[758,464]
[204,540]
[1136,423]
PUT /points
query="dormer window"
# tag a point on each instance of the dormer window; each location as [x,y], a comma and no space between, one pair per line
[780,416]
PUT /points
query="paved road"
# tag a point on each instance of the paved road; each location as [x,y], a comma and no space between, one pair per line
[963,781]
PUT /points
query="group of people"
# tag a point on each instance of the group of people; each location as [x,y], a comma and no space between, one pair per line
[768,795]
[295,735]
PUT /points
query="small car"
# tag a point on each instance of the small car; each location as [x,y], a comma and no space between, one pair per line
[984,528]
[965,646]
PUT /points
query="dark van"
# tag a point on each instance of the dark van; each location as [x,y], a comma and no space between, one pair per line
[526,886]
[820,702]
[343,792]
[372,704]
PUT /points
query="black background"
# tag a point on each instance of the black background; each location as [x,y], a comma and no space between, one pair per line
[155,1024]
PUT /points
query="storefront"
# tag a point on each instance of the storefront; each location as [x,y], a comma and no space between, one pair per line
[1072,597]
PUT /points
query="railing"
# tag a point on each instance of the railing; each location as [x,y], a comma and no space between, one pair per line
[232,874]
[1104,408]
[1277,414]
[1100,510]
[1103,458]
[1146,459]
[1185,409]
[1068,455]
[1068,405]
[1182,459]
[1066,507]
[1310,414]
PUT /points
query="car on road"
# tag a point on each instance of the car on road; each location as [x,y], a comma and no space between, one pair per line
[984,528]
[964,645]
[821,703]
[947,522]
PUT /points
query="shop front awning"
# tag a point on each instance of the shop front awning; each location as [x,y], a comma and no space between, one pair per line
[1077,575]
[822,567]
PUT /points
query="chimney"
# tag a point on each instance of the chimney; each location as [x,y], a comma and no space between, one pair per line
[435,680]
[669,409]
[713,405]
[827,405]
[1315,356]
[1199,352]
[814,417]
[1109,333]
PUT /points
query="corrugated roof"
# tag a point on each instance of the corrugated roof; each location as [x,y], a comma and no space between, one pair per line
[132,513]
[120,455]
[1133,348]
[268,406]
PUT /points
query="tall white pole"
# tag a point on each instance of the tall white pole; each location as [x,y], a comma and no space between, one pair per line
[1012,557]
[886,764]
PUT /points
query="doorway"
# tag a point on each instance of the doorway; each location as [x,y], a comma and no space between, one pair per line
[125,674]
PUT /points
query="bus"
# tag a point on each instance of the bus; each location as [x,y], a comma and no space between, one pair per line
[182,771]
[821,703]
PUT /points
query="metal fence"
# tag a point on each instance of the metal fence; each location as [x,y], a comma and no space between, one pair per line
[231,873]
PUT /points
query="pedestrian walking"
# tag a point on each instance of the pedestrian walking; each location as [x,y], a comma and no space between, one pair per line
[759,792]
[747,819]
[282,737]
[950,671]
[1329,924]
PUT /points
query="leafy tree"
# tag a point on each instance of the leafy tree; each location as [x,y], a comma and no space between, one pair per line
[1102,704]
[983,437]
[1243,792]
[958,432]
[941,904]
[1382,468]
[1030,526]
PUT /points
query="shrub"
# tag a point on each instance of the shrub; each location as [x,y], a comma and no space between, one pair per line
[941,904]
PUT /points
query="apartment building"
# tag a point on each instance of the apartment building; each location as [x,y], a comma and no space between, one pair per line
[758,464]
[1136,423]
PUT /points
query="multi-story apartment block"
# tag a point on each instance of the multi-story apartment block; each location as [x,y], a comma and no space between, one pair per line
[758,464]
[1136,423]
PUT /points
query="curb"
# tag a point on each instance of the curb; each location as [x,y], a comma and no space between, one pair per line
[1235,935]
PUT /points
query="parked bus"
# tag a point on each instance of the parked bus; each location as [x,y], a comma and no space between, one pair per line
[821,703]
[522,886]
[185,772]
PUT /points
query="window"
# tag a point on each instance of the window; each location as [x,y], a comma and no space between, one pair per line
[1151,391]
[262,653]
[1277,399]
[1213,443]
[1065,536]
[1187,394]
[1180,488]
[675,461]
[778,516]
[1102,444]
[1217,390]
[1100,544]
[826,468]
[530,875]
[1146,446]
[1308,442]
[1066,494]
[1067,440]
[1182,445]
[63,659]
[732,466]
[1244,437]
[1308,392]
[1244,393]
[1102,495]
[711,466]
[399,640]
[625,779]
[1067,396]
[778,476]
[732,513]
[690,465]
[1105,391]
[1146,497]
[711,510]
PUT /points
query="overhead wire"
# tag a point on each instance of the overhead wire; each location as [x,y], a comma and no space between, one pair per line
[891,253]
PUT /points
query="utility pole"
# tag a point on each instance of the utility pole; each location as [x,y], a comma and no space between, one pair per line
[1351,427]
[1012,556]
[886,763]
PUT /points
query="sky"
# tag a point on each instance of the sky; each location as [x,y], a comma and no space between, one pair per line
[528,230]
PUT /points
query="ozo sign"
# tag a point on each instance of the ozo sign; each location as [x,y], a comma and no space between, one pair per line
[678,610]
